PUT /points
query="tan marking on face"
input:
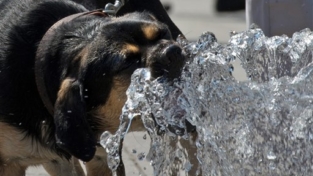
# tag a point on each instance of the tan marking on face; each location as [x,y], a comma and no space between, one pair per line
[150,31]
[81,59]
[65,88]
[108,114]
[84,56]
[130,48]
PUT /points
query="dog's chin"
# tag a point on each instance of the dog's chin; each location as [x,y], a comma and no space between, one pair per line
[84,153]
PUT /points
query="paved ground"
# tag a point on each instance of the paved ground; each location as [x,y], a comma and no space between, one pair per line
[193,18]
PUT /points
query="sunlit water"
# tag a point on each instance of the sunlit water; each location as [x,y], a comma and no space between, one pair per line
[259,127]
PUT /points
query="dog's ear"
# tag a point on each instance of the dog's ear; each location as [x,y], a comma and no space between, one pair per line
[73,134]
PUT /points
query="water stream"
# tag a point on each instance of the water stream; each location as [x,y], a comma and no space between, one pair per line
[258,127]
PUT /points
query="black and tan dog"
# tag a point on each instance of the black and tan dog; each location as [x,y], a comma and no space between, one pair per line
[63,76]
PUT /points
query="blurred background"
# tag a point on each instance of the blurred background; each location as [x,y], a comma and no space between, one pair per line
[197,16]
[192,18]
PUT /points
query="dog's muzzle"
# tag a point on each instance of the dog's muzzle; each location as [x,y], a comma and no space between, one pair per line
[167,61]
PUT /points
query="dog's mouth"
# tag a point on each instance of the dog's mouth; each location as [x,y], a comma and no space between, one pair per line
[167,62]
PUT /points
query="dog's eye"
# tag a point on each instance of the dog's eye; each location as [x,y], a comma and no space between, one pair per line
[128,67]
[130,64]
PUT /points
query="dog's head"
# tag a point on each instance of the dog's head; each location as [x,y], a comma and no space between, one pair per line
[86,68]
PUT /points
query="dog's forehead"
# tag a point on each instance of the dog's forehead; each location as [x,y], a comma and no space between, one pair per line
[141,23]
[131,34]
[139,16]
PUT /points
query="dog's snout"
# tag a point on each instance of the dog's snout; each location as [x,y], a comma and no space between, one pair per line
[173,52]
[167,60]
[176,57]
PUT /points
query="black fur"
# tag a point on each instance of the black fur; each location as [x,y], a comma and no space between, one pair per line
[87,53]
[22,25]
[154,7]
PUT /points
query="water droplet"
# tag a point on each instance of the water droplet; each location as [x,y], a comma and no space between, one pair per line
[188,166]
[232,33]
[272,166]
[141,156]
[271,155]
[254,26]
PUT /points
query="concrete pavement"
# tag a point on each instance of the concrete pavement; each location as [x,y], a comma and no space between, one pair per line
[193,18]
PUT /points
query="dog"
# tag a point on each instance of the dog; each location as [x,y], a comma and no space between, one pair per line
[64,72]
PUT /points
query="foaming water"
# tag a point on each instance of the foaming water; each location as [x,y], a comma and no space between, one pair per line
[259,127]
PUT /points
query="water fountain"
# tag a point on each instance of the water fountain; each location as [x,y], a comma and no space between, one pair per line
[258,127]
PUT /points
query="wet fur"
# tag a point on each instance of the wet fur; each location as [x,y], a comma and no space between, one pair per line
[86,69]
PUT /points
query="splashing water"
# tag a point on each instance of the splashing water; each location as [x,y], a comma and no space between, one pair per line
[259,127]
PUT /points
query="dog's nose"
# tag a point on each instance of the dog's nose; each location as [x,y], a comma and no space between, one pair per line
[172,52]
[176,58]
[167,59]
